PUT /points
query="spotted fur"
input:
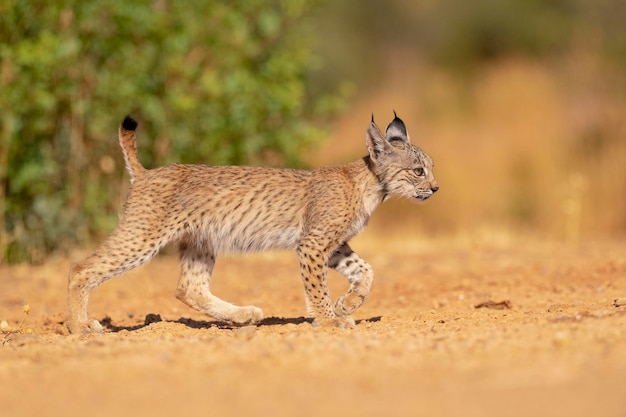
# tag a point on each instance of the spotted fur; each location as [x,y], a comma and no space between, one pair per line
[210,210]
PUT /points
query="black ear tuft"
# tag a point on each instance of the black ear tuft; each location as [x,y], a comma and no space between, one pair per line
[129,123]
[372,117]
[396,130]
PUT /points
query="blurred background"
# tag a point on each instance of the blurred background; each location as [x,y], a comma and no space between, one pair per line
[521,103]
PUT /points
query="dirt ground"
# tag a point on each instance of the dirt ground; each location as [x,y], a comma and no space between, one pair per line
[548,340]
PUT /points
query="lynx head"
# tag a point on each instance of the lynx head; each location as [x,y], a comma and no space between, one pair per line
[403,170]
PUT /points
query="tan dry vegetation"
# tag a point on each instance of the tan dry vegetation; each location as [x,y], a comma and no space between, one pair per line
[420,348]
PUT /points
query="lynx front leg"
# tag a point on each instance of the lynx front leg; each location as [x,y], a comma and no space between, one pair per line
[197,263]
[313,270]
[359,274]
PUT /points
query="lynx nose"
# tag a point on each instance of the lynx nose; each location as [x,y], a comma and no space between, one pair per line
[434,189]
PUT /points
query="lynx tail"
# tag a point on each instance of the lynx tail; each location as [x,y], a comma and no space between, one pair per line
[128,142]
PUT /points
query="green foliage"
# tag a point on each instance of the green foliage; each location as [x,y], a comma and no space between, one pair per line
[210,82]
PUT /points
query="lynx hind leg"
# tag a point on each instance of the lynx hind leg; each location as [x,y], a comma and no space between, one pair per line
[121,252]
[358,273]
[196,263]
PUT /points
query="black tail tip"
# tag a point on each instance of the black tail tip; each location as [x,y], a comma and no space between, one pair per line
[129,123]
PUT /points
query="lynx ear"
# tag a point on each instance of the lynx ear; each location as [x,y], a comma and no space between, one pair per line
[375,141]
[397,130]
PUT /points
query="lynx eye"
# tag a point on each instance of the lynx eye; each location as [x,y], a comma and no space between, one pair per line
[419,172]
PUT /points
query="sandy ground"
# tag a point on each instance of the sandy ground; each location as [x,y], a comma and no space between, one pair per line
[553,343]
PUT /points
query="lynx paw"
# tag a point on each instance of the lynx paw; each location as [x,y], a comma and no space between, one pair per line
[344,322]
[347,304]
[245,316]
[84,327]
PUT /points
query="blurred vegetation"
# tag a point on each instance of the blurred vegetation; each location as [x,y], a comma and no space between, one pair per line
[210,82]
